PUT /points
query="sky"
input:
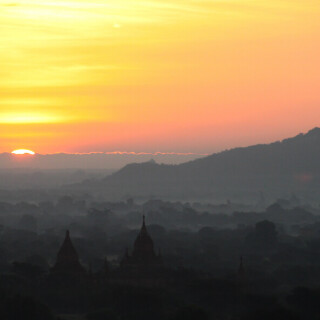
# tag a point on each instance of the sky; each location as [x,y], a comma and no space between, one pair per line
[156,75]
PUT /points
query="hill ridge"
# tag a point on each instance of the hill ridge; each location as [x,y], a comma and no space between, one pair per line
[286,166]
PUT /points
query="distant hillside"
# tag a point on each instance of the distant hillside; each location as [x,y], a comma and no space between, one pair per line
[90,161]
[291,165]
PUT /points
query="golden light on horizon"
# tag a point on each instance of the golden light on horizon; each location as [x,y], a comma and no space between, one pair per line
[27,118]
[80,75]
[23,152]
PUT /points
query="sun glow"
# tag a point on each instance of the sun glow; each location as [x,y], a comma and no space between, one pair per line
[23,151]
[96,75]
[16,118]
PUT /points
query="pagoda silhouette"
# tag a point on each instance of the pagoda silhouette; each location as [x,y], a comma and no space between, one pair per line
[143,254]
[67,262]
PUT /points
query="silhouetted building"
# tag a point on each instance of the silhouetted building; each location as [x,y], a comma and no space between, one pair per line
[143,254]
[241,275]
[67,259]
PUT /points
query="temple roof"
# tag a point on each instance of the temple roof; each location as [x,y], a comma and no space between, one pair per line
[67,258]
[143,240]
[67,249]
[241,275]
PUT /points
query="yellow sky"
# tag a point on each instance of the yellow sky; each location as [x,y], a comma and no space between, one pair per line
[156,75]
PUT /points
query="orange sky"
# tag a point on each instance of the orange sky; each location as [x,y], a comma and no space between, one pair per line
[157,75]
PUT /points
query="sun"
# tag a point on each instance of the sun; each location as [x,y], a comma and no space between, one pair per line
[23,151]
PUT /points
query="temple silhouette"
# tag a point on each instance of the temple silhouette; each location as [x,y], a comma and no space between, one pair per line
[67,261]
[143,266]
[241,277]
[143,255]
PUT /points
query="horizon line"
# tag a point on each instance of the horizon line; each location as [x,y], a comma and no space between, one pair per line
[157,153]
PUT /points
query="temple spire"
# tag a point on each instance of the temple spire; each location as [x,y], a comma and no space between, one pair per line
[67,258]
[143,250]
[241,275]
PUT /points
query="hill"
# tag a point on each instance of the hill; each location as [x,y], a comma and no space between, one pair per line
[283,167]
